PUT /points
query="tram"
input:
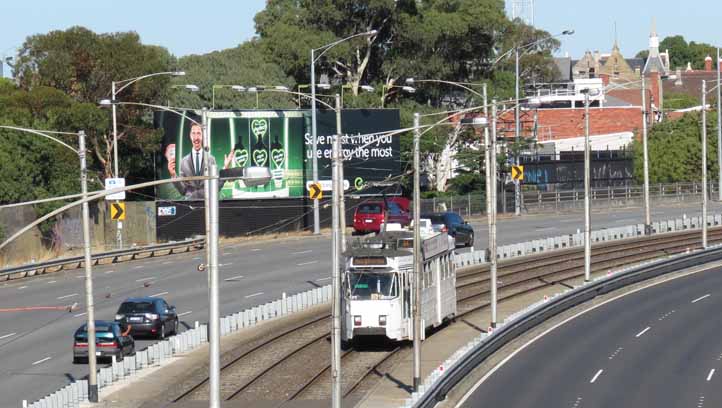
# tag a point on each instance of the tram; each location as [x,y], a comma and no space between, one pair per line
[378,281]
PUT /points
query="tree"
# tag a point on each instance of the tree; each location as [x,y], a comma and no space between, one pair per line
[82,64]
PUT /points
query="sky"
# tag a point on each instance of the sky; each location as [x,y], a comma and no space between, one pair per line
[196,27]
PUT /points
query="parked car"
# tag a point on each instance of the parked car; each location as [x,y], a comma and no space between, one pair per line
[148,316]
[454,225]
[369,216]
[109,341]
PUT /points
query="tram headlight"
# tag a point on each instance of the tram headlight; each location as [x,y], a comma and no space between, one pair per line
[382,320]
[357,320]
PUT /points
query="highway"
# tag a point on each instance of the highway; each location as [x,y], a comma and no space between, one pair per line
[657,347]
[36,346]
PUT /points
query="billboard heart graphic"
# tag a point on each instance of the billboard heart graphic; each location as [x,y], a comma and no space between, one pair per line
[260,157]
[259,127]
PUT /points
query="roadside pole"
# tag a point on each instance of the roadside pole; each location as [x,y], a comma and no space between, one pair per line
[342,201]
[417,255]
[704,164]
[214,337]
[647,212]
[587,199]
[336,286]
[89,304]
[491,202]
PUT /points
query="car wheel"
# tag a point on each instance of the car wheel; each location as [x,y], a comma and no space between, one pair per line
[120,356]
[471,240]
[161,334]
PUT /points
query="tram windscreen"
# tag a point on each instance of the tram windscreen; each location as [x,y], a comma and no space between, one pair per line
[373,286]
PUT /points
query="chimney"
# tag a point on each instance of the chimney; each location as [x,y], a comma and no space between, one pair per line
[708,63]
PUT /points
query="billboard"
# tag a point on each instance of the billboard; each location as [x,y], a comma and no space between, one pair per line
[280,141]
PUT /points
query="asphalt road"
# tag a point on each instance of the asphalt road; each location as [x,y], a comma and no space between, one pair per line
[36,346]
[658,347]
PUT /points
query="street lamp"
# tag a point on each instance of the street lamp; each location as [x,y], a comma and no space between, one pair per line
[113,96]
[89,304]
[384,88]
[314,137]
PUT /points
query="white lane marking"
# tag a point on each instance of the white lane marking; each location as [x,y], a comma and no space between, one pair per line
[145,279]
[700,298]
[596,376]
[22,287]
[109,272]
[166,262]
[700,402]
[80,314]
[578,401]
[306,263]
[196,258]
[159,294]
[233,278]
[225,264]
[544,229]
[711,373]
[642,332]
[5,336]
[323,279]
[255,249]
[138,267]
[567,320]
[67,296]
[254,295]
[617,351]
[42,361]
[52,281]
[185,313]
[302,252]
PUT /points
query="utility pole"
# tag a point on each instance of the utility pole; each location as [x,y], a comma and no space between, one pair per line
[418,261]
[214,337]
[647,213]
[118,223]
[314,143]
[719,131]
[704,164]
[341,192]
[89,303]
[335,273]
[587,202]
[491,200]
[517,135]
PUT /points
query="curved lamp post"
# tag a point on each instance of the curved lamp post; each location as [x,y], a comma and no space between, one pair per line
[314,58]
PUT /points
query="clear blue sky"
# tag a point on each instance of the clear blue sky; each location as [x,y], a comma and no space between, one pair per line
[195,27]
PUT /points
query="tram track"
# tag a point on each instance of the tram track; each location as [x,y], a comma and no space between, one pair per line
[295,363]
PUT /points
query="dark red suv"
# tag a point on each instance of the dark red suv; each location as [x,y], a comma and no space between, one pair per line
[369,216]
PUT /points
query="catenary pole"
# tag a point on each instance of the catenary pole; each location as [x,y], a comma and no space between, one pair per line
[647,212]
[314,143]
[490,199]
[417,255]
[89,303]
[118,223]
[517,134]
[719,131]
[704,164]
[336,286]
[341,183]
[214,337]
[587,192]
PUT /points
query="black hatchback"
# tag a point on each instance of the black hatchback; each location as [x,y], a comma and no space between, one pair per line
[148,316]
[454,225]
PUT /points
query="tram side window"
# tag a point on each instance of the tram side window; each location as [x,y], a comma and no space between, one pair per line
[373,286]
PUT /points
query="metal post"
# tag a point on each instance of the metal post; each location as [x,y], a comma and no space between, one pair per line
[214,337]
[517,132]
[491,206]
[587,204]
[206,186]
[719,132]
[89,304]
[118,223]
[418,271]
[342,204]
[314,139]
[647,213]
[704,164]
[335,273]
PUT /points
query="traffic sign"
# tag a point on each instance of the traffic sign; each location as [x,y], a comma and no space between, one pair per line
[117,211]
[111,183]
[315,191]
[517,173]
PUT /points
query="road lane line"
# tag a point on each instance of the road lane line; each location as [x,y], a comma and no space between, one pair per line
[254,295]
[159,294]
[109,272]
[42,361]
[138,267]
[642,332]
[700,298]
[52,281]
[67,296]
[145,279]
[80,314]
[225,264]
[5,336]
[711,373]
[185,313]
[166,262]
[22,287]
[596,376]
[323,279]
[306,263]
[255,249]
[302,252]
[196,258]
[233,278]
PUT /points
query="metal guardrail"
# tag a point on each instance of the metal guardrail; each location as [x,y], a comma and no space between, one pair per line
[39,268]
[441,382]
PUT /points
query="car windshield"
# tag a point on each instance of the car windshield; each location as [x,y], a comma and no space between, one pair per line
[373,285]
[394,209]
[369,209]
[136,307]
[435,219]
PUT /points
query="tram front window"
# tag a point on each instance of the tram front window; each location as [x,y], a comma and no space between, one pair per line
[373,286]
